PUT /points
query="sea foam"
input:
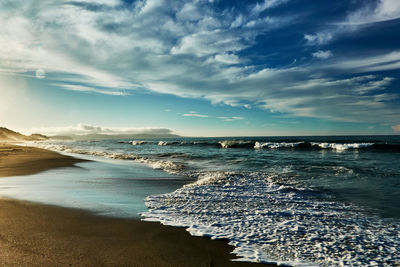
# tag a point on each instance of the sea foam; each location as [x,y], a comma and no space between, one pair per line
[271,223]
[342,147]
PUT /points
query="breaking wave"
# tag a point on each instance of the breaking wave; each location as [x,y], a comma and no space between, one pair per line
[259,145]
[236,144]
[136,143]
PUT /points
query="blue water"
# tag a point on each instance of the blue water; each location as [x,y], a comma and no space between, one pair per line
[325,201]
[105,187]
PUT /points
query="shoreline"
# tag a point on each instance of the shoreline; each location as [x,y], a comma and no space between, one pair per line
[46,235]
[25,160]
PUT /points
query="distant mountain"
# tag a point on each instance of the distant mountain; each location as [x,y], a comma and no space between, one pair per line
[60,137]
[111,136]
[9,135]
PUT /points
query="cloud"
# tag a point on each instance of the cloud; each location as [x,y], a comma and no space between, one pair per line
[383,11]
[84,129]
[231,118]
[322,54]
[191,50]
[381,62]
[86,89]
[369,13]
[266,4]
[195,114]
[320,38]
[396,128]
[227,58]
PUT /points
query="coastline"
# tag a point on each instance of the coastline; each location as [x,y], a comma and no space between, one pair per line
[24,160]
[37,234]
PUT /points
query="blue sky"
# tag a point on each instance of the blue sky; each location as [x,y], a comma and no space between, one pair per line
[201,68]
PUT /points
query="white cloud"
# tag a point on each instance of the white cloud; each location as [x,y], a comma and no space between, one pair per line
[231,118]
[195,114]
[372,12]
[88,89]
[227,58]
[321,54]
[208,42]
[266,4]
[387,61]
[320,38]
[383,11]
[102,2]
[84,129]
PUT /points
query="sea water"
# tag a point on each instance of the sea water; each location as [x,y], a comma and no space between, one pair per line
[323,201]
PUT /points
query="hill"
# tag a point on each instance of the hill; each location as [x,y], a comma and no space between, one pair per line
[11,136]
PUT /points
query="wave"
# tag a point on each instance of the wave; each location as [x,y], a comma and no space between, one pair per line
[342,147]
[168,143]
[259,145]
[236,144]
[136,143]
[187,143]
[327,146]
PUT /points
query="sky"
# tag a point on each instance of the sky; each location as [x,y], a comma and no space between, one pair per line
[201,68]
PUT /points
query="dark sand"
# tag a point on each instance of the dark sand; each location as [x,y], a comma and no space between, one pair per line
[41,235]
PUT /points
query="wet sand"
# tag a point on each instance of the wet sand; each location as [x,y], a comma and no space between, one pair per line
[42,235]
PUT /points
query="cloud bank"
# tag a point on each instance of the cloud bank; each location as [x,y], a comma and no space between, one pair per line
[87,129]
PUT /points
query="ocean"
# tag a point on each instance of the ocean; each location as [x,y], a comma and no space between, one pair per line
[323,201]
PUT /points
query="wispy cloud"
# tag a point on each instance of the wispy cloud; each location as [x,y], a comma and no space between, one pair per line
[370,13]
[195,114]
[384,10]
[321,54]
[381,62]
[266,4]
[320,38]
[87,89]
[231,118]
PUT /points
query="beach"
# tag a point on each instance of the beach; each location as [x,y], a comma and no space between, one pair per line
[45,235]
[24,160]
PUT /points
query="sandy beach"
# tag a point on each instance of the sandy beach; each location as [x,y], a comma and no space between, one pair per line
[24,160]
[43,235]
